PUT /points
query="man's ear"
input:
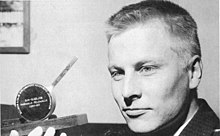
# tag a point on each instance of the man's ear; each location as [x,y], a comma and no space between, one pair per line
[195,71]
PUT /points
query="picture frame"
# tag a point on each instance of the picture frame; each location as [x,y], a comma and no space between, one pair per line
[14,27]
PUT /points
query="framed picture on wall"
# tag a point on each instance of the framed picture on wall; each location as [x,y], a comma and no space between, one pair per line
[14,27]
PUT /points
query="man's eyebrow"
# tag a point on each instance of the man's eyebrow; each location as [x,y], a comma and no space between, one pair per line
[149,61]
[141,63]
[113,67]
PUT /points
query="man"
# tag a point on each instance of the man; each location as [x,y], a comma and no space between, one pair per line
[155,64]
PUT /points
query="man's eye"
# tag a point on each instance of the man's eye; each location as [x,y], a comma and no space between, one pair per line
[147,70]
[117,75]
[114,73]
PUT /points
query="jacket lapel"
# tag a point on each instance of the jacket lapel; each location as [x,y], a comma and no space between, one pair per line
[203,123]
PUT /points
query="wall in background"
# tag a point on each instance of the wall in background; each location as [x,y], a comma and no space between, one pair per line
[61,29]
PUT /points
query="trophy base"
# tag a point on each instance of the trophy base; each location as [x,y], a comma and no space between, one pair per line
[58,123]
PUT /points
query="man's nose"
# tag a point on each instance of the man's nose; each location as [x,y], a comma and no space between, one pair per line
[131,91]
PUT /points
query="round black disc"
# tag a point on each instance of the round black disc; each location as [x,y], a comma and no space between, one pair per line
[34,102]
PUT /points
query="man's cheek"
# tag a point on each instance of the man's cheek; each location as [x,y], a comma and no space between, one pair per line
[116,89]
[117,96]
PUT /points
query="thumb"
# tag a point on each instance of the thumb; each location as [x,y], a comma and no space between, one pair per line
[38,131]
[63,134]
[50,131]
[14,133]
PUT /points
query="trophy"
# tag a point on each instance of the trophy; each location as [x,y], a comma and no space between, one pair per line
[36,103]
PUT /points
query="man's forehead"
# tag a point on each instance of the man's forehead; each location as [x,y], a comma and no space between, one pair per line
[153,34]
[149,44]
[152,23]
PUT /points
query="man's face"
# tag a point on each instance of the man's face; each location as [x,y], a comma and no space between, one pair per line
[148,82]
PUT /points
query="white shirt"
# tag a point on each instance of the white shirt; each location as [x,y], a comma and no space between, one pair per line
[185,124]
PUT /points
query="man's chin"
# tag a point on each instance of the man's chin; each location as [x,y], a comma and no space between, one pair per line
[141,127]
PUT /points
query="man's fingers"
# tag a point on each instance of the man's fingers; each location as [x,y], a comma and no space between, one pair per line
[63,134]
[14,133]
[50,131]
[38,131]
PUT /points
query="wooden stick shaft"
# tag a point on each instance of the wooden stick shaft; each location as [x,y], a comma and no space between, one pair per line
[62,74]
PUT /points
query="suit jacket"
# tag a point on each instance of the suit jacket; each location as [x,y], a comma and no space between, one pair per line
[204,123]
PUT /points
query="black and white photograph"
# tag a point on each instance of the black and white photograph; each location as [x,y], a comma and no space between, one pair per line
[109,68]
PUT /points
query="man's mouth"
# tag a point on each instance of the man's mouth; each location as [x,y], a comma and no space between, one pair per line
[135,112]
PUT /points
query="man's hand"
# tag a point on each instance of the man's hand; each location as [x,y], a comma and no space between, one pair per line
[38,131]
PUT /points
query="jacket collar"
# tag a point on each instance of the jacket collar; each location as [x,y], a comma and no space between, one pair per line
[203,123]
